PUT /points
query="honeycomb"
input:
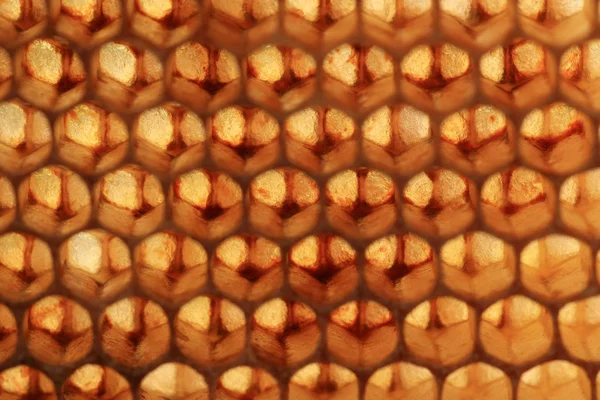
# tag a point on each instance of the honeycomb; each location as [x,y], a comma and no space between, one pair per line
[299,200]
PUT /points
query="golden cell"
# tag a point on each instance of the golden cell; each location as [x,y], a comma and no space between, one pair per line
[402,380]
[21,21]
[206,204]
[94,265]
[321,140]
[210,330]
[580,203]
[134,332]
[439,202]
[244,382]
[284,203]
[91,139]
[398,139]
[556,22]
[362,334]
[54,201]
[441,331]
[516,330]
[86,23]
[9,334]
[94,381]
[174,381]
[554,380]
[519,75]
[170,266]
[247,267]
[58,331]
[24,382]
[437,77]
[579,73]
[164,23]
[6,71]
[477,265]
[518,202]
[25,137]
[477,380]
[280,78]
[284,332]
[244,140]
[578,324]
[323,381]
[401,268]
[129,201]
[8,203]
[49,74]
[204,78]
[359,78]
[361,203]
[477,140]
[322,268]
[126,77]
[169,139]
[26,267]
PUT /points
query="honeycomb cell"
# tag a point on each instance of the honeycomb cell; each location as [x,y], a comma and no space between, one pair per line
[247,267]
[401,268]
[21,21]
[23,382]
[579,73]
[323,381]
[9,333]
[245,382]
[554,380]
[320,140]
[437,77]
[579,203]
[578,324]
[477,380]
[8,203]
[402,380]
[6,72]
[516,330]
[174,381]
[280,78]
[94,381]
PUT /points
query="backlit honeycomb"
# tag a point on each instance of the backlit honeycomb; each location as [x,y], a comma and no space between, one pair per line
[299,199]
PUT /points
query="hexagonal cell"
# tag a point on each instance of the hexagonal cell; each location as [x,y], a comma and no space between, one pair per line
[280,78]
[21,21]
[516,330]
[579,72]
[202,77]
[8,203]
[91,139]
[23,382]
[555,380]
[477,140]
[578,325]
[49,74]
[127,77]
[245,382]
[169,139]
[579,205]
[400,268]
[9,335]
[323,381]
[98,382]
[437,77]
[6,73]
[398,139]
[245,140]
[174,381]
[321,140]
[477,380]
[401,380]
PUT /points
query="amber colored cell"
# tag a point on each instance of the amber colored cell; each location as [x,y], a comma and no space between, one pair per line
[322,268]
[21,21]
[516,330]
[477,265]
[23,382]
[580,203]
[94,265]
[25,137]
[579,73]
[284,332]
[400,268]
[206,204]
[58,331]
[323,381]
[401,380]
[90,139]
[244,382]
[247,267]
[129,201]
[398,139]
[554,380]
[134,332]
[477,380]
[359,78]
[361,203]
[169,139]
[49,74]
[441,331]
[210,330]
[280,78]
[6,72]
[437,77]
[9,333]
[362,333]
[477,140]
[321,140]
[557,139]
[174,381]
[244,140]
[579,325]
[94,381]
[202,77]
[170,266]
[8,203]
[518,202]
[126,77]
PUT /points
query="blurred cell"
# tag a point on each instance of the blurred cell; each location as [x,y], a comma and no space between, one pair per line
[247,383]
[174,381]
[6,72]
[9,333]
[323,381]
[579,73]
[554,380]
[477,380]
[23,382]
[98,382]
[401,380]
[579,205]
[21,21]
[579,325]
